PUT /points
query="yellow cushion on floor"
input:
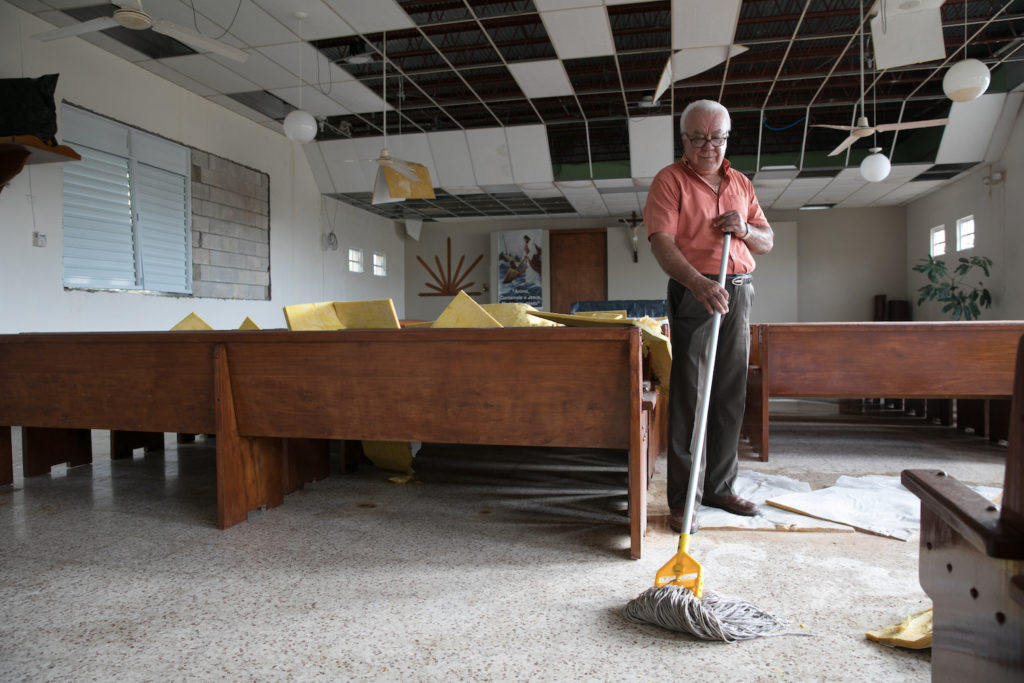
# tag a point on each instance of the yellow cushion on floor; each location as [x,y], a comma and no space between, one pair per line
[914,632]
[318,316]
[191,322]
[464,312]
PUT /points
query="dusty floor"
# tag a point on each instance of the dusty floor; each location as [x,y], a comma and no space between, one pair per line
[492,564]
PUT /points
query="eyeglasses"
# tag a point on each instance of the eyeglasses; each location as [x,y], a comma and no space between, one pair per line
[701,141]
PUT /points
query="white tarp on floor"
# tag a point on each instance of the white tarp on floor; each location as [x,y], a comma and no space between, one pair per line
[758,487]
[874,504]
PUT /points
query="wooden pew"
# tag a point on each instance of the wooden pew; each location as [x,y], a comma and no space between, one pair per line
[559,387]
[862,360]
[972,565]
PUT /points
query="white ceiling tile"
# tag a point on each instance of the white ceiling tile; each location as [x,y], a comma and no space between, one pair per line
[703,23]
[546,78]
[371,17]
[115,47]
[531,156]
[342,160]
[31,6]
[239,108]
[310,99]
[907,38]
[799,192]
[414,148]
[651,143]
[67,4]
[204,70]
[313,65]
[621,204]
[321,21]
[969,130]
[178,78]
[488,148]
[356,97]
[259,69]
[550,5]
[613,183]
[451,157]
[253,25]
[1004,125]
[204,21]
[579,33]
[540,190]
[695,60]
[461,189]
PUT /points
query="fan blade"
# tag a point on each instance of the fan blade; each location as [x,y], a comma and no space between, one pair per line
[128,4]
[97,24]
[400,166]
[843,145]
[911,124]
[198,42]
[826,125]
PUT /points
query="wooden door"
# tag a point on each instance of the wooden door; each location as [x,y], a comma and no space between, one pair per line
[579,267]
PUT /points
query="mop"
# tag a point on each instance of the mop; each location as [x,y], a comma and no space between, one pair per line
[678,601]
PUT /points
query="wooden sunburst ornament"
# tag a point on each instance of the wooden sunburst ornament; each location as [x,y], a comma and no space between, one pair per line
[449,283]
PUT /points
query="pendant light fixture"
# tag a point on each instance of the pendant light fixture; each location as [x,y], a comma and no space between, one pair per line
[967,79]
[300,125]
[875,167]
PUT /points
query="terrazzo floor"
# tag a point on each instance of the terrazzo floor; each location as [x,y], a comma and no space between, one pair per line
[492,564]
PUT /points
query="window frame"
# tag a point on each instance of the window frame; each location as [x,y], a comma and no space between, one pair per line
[355,260]
[933,243]
[379,264]
[960,234]
[157,242]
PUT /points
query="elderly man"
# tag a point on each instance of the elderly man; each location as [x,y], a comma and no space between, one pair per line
[690,207]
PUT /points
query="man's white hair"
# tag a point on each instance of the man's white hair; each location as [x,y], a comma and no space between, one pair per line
[705,105]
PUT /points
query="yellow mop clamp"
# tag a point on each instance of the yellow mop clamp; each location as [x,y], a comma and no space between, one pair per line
[682,570]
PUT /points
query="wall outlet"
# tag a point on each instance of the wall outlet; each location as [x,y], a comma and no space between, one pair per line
[38,239]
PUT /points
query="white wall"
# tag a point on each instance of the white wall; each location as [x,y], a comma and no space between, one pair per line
[845,257]
[32,297]
[999,231]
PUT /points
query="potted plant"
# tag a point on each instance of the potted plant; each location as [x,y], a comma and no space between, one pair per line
[963,300]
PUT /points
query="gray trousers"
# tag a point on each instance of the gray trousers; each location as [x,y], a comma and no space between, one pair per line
[690,325]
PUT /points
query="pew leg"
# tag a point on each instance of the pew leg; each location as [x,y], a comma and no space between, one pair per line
[122,443]
[6,457]
[306,460]
[250,471]
[978,626]
[44,447]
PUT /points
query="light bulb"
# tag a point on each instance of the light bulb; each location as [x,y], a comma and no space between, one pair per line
[875,167]
[966,80]
[300,126]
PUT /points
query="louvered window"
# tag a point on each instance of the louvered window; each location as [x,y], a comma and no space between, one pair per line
[127,208]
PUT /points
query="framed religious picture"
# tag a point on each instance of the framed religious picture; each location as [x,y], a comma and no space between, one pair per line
[520,267]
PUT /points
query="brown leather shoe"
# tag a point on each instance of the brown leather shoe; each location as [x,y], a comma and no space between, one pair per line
[675,520]
[733,504]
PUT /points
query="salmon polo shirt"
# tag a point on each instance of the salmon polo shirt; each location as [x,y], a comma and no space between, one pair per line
[681,204]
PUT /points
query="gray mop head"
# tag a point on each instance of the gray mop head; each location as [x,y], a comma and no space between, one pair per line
[714,617]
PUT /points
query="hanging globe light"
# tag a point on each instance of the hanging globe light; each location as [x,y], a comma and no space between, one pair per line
[875,167]
[966,80]
[300,126]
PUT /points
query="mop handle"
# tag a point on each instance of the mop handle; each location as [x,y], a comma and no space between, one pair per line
[705,401]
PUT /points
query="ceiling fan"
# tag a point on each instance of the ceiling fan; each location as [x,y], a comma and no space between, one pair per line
[862,128]
[129,14]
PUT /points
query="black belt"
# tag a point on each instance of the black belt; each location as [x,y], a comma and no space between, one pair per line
[733,278]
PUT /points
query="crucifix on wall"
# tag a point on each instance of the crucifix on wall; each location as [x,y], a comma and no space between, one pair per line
[633,223]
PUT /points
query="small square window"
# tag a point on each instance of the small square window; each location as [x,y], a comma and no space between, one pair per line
[938,241]
[965,233]
[355,260]
[380,265]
